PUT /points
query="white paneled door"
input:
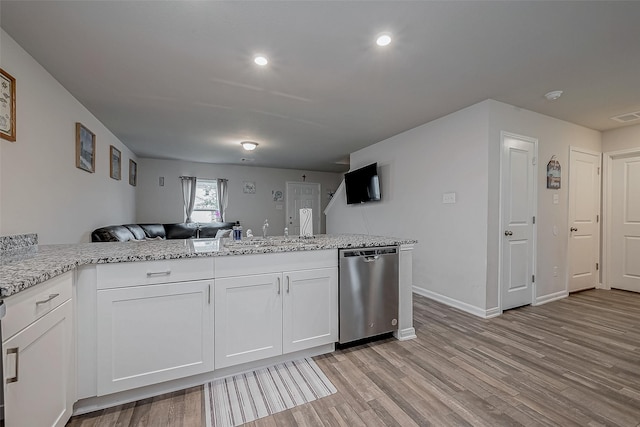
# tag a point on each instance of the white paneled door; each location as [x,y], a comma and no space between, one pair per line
[517,199]
[584,214]
[302,195]
[624,244]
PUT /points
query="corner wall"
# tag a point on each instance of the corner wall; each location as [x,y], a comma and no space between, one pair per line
[416,168]
[164,204]
[41,189]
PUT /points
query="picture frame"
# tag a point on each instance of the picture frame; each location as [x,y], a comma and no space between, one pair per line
[7,106]
[249,187]
[115,163]
[133,173]
[85,149]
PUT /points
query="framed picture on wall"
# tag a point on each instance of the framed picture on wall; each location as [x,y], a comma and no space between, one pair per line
[7,106]
[115,164]
[133,173]
[85,149]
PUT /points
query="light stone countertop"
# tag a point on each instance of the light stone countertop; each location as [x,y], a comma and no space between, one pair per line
[25,267]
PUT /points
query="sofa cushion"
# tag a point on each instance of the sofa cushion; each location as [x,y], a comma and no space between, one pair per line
[153,231]
[136,230]
[112,233]
[208,230]
[181,231]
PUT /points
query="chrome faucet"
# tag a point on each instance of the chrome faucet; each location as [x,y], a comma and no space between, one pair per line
[264,228]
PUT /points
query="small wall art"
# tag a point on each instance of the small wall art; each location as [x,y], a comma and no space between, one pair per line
[85,149]
[133,173]
[7,106]
[249,187]
[115,164]
[278,196]
[553,173]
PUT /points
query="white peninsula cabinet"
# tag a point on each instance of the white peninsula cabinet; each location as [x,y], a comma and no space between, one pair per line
[39,355]
[154,322]
[272,304]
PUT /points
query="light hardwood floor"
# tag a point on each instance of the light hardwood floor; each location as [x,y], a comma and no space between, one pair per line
[574,362]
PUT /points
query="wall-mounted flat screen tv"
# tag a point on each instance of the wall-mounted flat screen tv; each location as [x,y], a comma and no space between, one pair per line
[362,185]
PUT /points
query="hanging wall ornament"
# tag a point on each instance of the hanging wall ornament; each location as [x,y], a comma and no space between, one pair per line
[553,173]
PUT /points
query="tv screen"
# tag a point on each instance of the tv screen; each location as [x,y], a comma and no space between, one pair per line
[362,185]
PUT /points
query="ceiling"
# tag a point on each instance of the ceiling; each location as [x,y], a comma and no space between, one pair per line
[176,79]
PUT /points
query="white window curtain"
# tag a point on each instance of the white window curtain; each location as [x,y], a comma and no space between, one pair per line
[222,197]
[188,195]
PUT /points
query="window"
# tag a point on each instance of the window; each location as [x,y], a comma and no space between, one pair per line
[206,207]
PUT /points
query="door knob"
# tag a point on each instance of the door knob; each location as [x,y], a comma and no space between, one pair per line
[508,233]
[573,229]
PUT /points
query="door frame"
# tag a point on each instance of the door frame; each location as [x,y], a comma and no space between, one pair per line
[573,148]
[607,181]
[534,237]
[286,204]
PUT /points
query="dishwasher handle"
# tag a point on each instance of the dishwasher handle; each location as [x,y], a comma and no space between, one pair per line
[369,254]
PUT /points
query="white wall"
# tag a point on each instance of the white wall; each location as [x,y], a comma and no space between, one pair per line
[621,139]
[554,138]
[416,168]
[456,259]
[41,189]
[164,204]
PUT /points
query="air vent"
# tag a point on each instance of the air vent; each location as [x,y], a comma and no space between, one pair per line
[627,117]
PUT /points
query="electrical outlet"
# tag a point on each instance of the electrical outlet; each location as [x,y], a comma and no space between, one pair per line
[555,271]
[449,198]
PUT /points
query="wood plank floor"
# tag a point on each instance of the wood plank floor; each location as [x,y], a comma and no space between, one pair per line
[573,362]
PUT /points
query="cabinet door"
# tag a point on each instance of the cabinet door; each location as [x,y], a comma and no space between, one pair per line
[248,318]
[153,333]
[310,308]
[40,359]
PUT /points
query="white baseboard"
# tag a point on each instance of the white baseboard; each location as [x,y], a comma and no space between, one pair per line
[493,312]
[405,334]
[472,309]
[550,297]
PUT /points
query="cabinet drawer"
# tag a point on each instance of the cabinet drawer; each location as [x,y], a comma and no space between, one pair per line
[29,305]
[124,274]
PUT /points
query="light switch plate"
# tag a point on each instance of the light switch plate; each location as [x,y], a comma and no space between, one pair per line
[448,197]
[556,198]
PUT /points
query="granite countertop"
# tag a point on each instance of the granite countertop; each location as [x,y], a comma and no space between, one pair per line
[23,267]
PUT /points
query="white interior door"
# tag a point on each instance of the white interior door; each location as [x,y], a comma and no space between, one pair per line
[302,195]
[518,190]
[584,214]
[624,244]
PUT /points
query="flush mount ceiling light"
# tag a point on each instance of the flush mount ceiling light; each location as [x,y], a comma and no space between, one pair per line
[249,145]
[383,39]
[261,60]
[553,95]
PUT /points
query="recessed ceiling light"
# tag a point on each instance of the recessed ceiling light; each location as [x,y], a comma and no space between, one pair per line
[553,95]
[383,39]
[249,145]
[261,60]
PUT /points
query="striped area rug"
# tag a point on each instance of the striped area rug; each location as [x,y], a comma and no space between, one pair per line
[236,400]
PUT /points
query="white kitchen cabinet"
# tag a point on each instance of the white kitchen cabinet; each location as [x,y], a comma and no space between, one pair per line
[39,359]
[265,315]
[248,318]
[310,308]
[153,333]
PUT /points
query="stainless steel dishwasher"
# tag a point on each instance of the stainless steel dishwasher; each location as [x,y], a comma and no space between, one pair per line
[368,292]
